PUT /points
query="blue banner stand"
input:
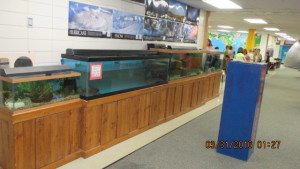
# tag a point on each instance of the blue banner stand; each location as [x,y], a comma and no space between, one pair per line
[241,108]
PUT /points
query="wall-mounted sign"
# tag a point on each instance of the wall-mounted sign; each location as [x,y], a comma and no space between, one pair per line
[192,15]
[89,21]
[127,26]
[190,33]
[157,8]
[176,11]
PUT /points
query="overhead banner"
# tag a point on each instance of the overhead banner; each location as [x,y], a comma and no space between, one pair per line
[179,29]
[192,15]
[190,33]
[127,26]
[157,8]
[154,29]
[89,21]
[176,11]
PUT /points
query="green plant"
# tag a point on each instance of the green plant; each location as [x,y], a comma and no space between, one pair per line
[39,91]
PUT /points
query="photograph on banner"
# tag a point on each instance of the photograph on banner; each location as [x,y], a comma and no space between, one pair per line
[190,33]
[157,8]
[178,31]
[127,26]
[176,11]
[192,15]
[170,34]
[154,29]
[89,21]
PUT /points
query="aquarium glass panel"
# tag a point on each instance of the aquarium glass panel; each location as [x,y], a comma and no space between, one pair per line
[185,65]
[212,63]
[25,95]
[120,76]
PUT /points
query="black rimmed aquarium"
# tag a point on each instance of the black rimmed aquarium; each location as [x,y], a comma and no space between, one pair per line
[108,72]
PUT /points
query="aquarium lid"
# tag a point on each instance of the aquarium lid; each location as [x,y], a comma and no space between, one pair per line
[25,71]
[110,55]
[25,74]
[4,63]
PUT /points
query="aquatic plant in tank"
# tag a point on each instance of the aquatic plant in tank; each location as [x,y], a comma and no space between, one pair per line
[39,91]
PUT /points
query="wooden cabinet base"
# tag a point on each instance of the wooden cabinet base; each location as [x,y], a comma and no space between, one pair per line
[50,136]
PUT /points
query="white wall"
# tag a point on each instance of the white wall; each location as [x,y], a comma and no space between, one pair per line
[263,44]
[48,37]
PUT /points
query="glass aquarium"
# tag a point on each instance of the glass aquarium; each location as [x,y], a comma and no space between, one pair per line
[185,65]
[213,62]
[22,88]
[108,72]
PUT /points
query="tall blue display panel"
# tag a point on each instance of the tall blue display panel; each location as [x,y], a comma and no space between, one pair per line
[241,108]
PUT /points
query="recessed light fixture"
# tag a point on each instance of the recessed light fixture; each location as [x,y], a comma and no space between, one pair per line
[223,31]
[223,4]
[257,21]
[242,31]
[286,36]
[280,34]
[272,29]
[225,27]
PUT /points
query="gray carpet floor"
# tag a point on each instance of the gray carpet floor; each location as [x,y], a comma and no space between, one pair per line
[184,148]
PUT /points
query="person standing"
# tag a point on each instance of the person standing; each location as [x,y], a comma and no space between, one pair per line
[240,55]
[251,55]
[247,57]
[231,53]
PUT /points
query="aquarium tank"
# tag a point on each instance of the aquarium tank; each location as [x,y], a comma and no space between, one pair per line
[108,72]
[213,62]
[185,64]
[27,87]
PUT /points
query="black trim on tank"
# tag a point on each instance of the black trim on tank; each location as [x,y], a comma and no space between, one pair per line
[110,55]
[120,91]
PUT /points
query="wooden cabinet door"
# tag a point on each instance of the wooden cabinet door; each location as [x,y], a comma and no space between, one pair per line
[187,97]
[57,136]
[109,116]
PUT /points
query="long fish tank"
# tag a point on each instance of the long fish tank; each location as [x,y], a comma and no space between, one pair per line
[27,87]
[187,63]
[108,72]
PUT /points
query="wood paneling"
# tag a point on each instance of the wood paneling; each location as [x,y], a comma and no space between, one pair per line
[126,119]
[158,101]
[170,102]
[154,109]
[205,88]
[178,99]
[7,160]
[217,84]
[144,110]
[211,87]
[162,104]
[200,99]
[109,122]
[25,143]
[91,127]
[57,136]
[187,97]
[195,93]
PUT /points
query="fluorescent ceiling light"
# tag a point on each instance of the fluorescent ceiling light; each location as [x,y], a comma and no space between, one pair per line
[257,21]
[272,29]
[223,4]
[281,34]
[242,31]
[223,31]
[225,27]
